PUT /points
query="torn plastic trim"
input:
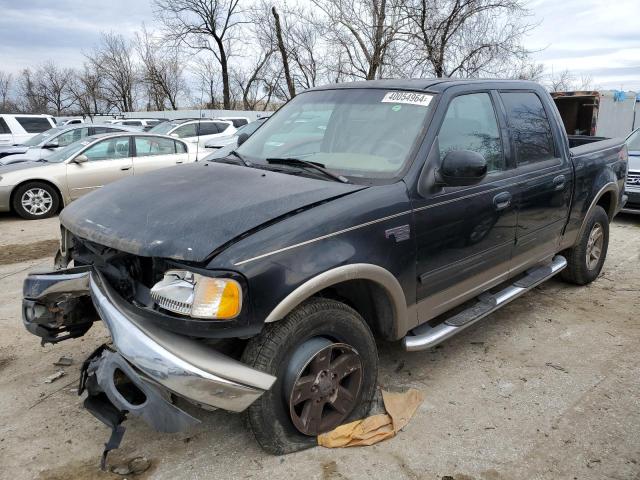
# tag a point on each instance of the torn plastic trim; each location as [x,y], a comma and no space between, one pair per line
[105,375]
[182,365]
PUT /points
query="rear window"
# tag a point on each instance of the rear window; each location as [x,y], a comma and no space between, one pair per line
[133,123]
[530,127]
[34,124]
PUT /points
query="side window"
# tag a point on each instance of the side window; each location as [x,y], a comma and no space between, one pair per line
[4,128]
[133,123]
[186,131]
[112,148]
[530,127]
[149,146]
[181,147]
[34,124]
[208,128]
[71,136]
[470,124]
[222,126]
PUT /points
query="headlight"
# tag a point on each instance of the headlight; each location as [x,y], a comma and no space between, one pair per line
[197,296]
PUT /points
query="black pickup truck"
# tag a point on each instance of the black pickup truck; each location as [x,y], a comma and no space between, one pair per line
[392,210]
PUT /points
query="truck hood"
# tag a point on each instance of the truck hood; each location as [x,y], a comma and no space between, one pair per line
[188,212]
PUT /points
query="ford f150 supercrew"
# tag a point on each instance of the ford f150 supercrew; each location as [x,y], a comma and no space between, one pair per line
[392,210]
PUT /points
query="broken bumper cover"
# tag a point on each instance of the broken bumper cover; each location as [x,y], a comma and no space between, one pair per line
[182,365]
[164,360]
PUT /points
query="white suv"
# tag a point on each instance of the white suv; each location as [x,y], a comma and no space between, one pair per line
[16,129]
[195,130]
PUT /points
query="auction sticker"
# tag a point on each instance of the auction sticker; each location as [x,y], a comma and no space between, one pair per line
[411,98]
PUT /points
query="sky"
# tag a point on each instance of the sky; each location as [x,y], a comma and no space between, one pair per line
[600,39]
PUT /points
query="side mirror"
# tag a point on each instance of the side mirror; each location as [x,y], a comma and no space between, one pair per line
[81,159]
[461,168]
[175,135]
[242,138]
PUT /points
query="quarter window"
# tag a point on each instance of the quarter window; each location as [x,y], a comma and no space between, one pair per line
[208,128]
[112,148]
[149,146]
[530,127]
[34,124]
[181,147]
[470,124]
[4,128]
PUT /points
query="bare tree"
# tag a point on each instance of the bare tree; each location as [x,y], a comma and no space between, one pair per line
[113,61]
[466,38]
[5,87]
[162,70]
[364,30]
[86,89]
[284,54]
[203,25]
[54,87]
[562,81]
[527,70]
[32,99]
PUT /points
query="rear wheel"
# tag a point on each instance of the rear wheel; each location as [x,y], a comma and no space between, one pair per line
[35,200]
[325,360]
[586,258]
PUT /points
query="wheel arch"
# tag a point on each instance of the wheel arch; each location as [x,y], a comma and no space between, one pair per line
[370,289]
[57,189]
[607,198]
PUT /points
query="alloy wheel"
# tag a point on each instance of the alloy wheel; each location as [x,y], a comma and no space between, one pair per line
[36,201]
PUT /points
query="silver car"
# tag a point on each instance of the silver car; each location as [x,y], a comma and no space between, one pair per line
[38,189]
[45,143]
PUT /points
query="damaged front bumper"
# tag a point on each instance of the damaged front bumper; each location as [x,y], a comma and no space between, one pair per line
[64,304]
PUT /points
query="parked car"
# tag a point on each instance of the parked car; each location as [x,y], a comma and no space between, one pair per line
[632,187]
[144,124]
[197,131]
[232,139]
[236,121]
[38,189]
[69,121]
[45,143]
[261,281]
[16,129]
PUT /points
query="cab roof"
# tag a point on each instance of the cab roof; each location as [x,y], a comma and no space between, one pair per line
[434,85]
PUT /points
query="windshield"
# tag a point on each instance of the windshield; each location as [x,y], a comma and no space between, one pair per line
[633,141]
[163,128]
[42,138]
[68,151]
[358,133]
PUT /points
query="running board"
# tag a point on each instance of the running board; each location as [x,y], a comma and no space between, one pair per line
[425,336]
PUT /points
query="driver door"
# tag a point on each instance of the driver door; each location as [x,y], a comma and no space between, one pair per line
[108,160]
[465,235]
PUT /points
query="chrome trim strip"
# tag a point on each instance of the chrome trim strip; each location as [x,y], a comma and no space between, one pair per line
[183,365]
[323,237]
[356,271]
[427,336]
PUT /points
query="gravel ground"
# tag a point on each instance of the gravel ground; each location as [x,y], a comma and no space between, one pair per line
[546,388]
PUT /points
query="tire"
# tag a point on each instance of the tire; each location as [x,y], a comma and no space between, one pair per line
[580,270]
[44,199]
[280,350]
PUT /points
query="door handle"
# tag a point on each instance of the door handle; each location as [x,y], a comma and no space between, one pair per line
[179,161]
[502,201]
[558,182]
[125,168]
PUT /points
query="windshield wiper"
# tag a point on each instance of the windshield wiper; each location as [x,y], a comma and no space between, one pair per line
[312,165]
[242,159]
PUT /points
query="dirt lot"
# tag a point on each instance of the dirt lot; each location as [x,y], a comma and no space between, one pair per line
[548,387]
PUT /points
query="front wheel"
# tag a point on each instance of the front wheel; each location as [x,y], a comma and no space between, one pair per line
[586,258]
[325,360]
[36,200]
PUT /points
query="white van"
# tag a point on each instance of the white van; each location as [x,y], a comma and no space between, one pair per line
[17,128]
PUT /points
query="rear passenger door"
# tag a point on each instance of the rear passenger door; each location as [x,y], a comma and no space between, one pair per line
[152,153]
[465,235]
[544,187]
